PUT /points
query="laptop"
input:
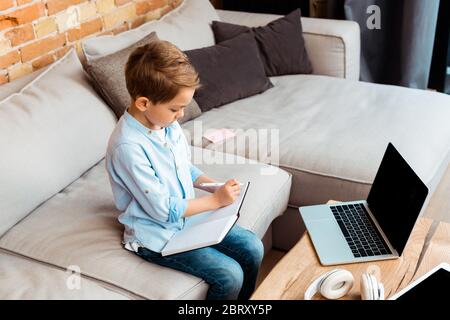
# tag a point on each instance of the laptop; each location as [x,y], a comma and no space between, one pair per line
[374,229]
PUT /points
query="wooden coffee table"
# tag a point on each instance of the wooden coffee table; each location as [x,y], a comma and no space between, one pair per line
[300,266]
[436,251]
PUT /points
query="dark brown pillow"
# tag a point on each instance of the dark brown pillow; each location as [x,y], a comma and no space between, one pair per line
[280,43]
[108,75]
[228,71]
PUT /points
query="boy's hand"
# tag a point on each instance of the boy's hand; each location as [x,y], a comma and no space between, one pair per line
[226,194]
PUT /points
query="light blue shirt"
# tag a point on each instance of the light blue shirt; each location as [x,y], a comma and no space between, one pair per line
[151,180]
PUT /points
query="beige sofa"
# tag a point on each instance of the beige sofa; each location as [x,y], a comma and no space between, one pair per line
[333,129]
[59,234]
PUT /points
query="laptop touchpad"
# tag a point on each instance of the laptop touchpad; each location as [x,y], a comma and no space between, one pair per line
[329,241]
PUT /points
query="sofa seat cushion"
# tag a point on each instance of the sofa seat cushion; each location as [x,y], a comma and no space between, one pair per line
[25,279]
[334,132]
[79,226]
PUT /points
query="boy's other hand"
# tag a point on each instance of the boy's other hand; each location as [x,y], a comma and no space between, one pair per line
[226,194]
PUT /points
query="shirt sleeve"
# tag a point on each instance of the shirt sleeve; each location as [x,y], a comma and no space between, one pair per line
[195,172]
[136,172]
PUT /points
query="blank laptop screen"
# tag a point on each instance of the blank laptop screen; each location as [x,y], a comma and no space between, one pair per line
[396,198]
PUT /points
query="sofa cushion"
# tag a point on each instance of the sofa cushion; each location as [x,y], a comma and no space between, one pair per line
[51,132]
[228,71]
[281,43]
[79,226]
[333,132]
[333,46]
[18,84]
[26,279]
[188,27]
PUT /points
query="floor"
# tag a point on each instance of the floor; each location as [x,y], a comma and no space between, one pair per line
[269,261]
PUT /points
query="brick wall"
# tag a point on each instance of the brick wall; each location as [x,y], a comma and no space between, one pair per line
[35,33]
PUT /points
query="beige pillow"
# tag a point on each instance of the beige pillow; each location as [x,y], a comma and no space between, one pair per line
[108,75]
[51,132]
[188,27]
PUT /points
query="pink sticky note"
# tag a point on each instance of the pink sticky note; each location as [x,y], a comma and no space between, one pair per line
[218,135]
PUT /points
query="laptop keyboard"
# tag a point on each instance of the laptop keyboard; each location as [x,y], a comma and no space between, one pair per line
[361,235]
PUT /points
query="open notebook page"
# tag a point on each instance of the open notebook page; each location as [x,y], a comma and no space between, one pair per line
[228,211]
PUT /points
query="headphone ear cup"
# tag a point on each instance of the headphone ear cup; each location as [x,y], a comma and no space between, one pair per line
[371,289]
[375,287]
[378,288]
[381,291]
[314,287]
[337,284]
[366,287]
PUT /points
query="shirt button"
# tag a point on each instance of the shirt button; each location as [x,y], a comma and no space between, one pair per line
[165,144]
[149,131]
[146,191]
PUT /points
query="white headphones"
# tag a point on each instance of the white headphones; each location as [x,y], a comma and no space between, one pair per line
[338,282]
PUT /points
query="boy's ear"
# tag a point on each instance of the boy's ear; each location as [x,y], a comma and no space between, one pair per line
[142,103]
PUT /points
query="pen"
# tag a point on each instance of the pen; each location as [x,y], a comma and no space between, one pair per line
[214,184]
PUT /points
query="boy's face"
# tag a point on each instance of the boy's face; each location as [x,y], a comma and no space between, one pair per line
[163,114]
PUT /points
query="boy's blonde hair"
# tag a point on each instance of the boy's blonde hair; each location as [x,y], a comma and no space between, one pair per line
[158,71]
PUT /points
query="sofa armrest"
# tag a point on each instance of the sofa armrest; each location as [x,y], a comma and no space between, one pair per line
[333,46]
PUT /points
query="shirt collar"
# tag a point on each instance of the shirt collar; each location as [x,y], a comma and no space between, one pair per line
[133,122]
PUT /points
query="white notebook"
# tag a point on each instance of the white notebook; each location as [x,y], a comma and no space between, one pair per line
[207,228]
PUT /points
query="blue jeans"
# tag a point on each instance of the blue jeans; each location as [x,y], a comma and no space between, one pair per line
[230,267]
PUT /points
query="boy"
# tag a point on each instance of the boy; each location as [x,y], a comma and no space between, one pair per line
[153,179]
